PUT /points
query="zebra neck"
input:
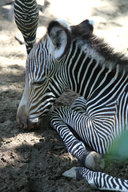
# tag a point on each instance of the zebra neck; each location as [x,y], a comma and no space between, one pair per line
[86,74]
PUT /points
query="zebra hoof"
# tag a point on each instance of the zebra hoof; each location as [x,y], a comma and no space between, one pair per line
[71,173]
[94,161]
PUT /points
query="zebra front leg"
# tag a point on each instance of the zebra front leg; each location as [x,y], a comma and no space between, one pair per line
[79,105]
[92,160]
[98,180]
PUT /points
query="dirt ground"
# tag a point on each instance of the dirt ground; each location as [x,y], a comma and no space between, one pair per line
[34,161]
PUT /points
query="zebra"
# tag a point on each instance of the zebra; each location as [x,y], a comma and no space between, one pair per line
[26,15]
[71,57]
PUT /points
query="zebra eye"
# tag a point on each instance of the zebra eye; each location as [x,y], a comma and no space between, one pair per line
[38,82]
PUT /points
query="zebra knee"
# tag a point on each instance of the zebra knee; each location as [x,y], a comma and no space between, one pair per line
[79,105]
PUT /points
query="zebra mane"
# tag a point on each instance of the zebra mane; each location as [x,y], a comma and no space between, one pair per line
[85,37]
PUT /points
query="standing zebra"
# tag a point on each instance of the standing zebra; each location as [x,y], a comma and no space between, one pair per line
[26,17]
[74,58]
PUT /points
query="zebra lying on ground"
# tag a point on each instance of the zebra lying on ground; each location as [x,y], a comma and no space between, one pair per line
[74,58]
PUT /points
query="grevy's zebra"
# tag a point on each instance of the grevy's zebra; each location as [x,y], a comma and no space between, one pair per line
[72,57]
[26,17]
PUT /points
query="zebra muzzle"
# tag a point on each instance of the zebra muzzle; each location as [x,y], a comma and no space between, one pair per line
[28,124]
[24,121]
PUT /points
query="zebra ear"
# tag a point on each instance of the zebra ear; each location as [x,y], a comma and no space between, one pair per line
[59,33]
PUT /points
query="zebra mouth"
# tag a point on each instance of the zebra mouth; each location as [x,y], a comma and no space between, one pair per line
[33,123]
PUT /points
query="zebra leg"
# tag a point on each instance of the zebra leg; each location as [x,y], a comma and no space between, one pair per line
[62,120]
[92,158]
[98,180]
[26,17]
[79,105]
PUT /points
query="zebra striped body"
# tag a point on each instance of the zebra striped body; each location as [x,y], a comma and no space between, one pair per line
[26,18]
[74,58]
[106,99]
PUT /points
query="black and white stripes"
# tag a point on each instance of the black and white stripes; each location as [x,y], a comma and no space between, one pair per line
[103,181]
[26,18]
[63,60]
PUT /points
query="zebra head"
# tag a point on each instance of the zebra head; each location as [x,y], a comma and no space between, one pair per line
[45,73]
